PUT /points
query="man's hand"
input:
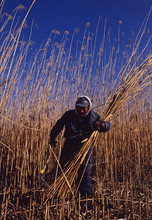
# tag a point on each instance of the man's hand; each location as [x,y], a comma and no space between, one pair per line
[53,143]
[100,125]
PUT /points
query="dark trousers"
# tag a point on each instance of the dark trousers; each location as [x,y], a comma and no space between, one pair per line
[68,151]
[85,184]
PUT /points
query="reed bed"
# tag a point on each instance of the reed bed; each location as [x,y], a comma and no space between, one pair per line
[30,90]
[129,88]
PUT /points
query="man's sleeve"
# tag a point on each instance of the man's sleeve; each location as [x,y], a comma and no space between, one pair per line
[57,128]
[101,126]
[107,126]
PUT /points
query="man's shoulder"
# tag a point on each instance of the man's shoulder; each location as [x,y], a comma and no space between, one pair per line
[94,114]
[69,113]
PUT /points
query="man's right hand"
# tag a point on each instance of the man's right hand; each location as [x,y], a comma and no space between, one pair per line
[53,143]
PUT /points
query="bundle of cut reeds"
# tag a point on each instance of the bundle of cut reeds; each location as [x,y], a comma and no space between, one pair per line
[134,81]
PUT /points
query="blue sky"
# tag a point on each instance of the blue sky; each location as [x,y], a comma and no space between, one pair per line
[70,14]
[67,15]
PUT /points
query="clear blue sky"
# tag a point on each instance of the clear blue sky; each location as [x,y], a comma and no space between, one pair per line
[67,15]
[70,14]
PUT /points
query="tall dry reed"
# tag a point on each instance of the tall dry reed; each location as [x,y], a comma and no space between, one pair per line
[30,90]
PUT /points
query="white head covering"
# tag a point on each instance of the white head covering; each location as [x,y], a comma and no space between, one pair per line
[83,101]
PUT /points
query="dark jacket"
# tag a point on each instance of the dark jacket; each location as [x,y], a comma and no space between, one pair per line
[76,128]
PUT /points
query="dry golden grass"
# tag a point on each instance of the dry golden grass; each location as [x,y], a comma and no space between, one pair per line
[121,170]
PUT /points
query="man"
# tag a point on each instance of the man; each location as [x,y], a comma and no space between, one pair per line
[79,125]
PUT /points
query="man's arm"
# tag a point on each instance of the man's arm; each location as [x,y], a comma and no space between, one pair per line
[97,124]
[56,129]
[102,126]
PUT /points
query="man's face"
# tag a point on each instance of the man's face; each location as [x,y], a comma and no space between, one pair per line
[82,111]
